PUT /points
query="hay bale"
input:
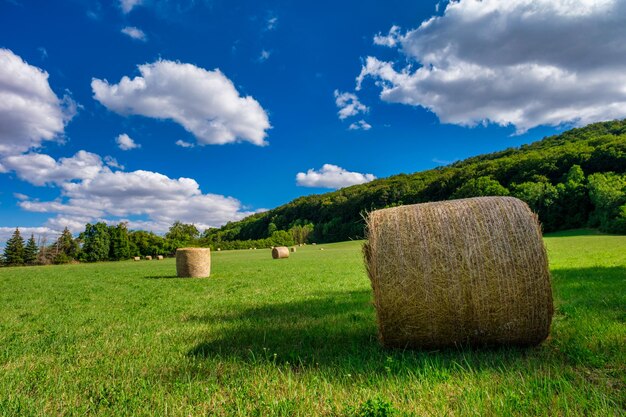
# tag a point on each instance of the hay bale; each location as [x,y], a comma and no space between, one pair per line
[219,249]
[471,271]
[159,257]
[321,248]
[193,262]
[280,252]
[148,258]
[136,258]
[293,249]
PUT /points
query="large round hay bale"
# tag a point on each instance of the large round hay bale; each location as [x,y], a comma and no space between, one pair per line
[159,257]
[193,262]
[280,252]
[136,258]
[471,271]
[148,258]
[293,249]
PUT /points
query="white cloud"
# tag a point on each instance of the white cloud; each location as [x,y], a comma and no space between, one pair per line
[349,105]
[126,143]
[391,39]
[331,176]
[128,5]
[272,22]
[360,125]
[135,33]
[112,162]
[515,62]
[205,103]
[90,191]
[264,55]
[30,112]
[184,144]
[41,169]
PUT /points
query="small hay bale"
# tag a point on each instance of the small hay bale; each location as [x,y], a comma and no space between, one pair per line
[293,249]
[193,262]
[219,249]
[321,248]
[148,258]
[471,271]
[313,244]
[136,258]
[159,257]
[280,252]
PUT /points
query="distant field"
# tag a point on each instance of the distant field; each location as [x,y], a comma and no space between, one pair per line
[293,337]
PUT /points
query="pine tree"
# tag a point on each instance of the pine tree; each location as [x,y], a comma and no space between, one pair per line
[30,251]
[14,250]
[66,248]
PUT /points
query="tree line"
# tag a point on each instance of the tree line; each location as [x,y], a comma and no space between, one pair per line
[102,242]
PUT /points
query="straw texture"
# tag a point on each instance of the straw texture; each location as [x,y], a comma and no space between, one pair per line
[193,262]
[280,252]
[471,271]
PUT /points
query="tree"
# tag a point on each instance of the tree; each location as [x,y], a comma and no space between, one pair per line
[120,244]
[96,242]
[14,250]
[479,187]
[31,251]
[607,192]
[181,234]
[66,248]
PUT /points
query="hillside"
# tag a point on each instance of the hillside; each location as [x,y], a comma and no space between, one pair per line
[575,179]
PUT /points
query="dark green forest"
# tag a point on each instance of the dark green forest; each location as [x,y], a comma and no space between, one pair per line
[575,179]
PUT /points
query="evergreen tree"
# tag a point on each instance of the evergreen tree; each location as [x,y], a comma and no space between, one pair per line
[66,248]
[14,250]
[31,251]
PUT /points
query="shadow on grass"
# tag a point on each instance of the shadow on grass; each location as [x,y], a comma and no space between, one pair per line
[334,331]
[337,331]
[164,277]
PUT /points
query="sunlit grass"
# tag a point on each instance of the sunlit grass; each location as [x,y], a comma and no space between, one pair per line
[293,337]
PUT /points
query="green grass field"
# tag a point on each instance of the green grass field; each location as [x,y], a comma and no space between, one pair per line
[294,337]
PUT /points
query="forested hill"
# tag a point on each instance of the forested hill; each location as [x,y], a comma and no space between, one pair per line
[575,179]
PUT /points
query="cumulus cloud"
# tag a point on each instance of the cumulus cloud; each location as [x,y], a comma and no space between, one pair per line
[135,33]
[349,105]
[331,176]
[41,169]
[128,5]
[511,62]
[126,143]
[360,125]
[184,144]
[205,103]
[30,112]
[91,191]
[390,39]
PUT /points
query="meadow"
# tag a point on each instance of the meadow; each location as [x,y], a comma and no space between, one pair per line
[294,337]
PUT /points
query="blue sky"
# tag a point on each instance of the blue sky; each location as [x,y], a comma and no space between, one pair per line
[277,99]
